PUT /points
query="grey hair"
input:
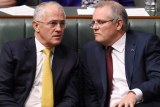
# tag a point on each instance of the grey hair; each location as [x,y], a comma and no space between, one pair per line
[117,12]
[40,9]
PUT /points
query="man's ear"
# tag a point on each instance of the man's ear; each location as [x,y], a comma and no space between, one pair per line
[119,24]
[35,26]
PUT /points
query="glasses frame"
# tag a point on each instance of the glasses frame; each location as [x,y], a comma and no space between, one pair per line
[100,23]
[54,24]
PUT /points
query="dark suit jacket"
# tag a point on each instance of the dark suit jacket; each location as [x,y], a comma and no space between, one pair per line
[18,68]
[142,65]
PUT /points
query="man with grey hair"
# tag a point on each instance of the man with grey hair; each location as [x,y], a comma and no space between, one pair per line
[37,71]
[120,68]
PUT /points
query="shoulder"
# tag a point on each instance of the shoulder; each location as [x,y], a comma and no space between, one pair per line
[142,40]
[18,44]
[91,46]
[65,51]
[141,36]
[20,41]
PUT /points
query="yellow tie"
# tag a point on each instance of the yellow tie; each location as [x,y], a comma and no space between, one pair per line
[47,81]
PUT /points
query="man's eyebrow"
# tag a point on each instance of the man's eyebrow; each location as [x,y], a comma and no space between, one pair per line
[57,21]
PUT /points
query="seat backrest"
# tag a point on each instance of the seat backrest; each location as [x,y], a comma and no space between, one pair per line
[139,2]
[85,34]
[77,32]
[32,2]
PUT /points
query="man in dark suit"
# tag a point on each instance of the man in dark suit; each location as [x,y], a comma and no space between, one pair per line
[21,62]
[129,74]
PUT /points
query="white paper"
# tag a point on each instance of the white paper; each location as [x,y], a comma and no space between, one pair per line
[18,10]
[136,12]
[130,11]
[88,11]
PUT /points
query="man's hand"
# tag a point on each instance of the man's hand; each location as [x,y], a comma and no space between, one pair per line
[7,3]
[128,101]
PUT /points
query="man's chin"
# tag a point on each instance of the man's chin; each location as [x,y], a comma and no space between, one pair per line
[98,40]
[56,43]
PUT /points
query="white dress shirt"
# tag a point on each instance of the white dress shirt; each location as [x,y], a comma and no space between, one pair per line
[120,86]
[34,98]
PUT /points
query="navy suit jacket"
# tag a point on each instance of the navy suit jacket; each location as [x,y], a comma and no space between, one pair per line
[142,67]
[18,69]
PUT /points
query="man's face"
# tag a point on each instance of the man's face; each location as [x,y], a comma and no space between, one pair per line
[50,29]
[105,30]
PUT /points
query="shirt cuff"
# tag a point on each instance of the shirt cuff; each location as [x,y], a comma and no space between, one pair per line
[139,95]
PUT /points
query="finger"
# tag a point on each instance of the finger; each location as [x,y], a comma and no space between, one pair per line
[115,105]
[131,105]
[127,104]
[121,104]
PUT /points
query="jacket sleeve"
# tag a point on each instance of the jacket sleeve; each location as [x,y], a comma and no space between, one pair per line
[89,91]
[6,78]
[150,88]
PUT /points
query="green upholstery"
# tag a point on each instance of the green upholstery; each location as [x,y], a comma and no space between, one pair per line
[77,32]
[139,2]
[11,30]
[32,2]
[85,34]
[70,38]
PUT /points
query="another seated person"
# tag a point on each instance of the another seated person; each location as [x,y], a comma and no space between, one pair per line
[36,71]
[120,68]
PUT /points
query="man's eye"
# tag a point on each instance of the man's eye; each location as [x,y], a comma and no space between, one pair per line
[62,23]
[101,22]
[53,23]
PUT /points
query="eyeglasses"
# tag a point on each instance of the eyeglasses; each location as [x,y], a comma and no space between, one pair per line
[54,23]
[99,23]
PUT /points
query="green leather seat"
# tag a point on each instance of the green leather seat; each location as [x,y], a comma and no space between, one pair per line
[77,32]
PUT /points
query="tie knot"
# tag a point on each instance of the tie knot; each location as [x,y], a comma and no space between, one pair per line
[109,49]
[47,51]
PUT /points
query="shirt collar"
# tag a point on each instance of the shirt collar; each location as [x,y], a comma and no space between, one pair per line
[120,44]
[41,47]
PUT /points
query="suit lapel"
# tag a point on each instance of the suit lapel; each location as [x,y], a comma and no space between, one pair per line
[130,50]
[30,58]
[58,64]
